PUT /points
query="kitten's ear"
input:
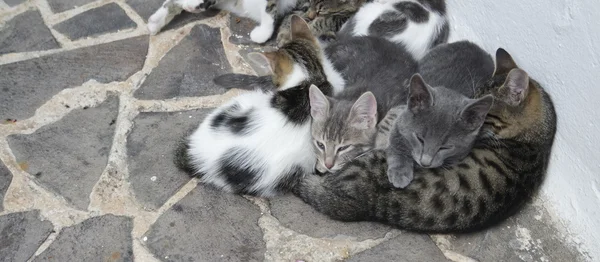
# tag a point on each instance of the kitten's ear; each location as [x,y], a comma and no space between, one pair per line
[319,104]
[363,114]
[474,114]
[419,94]
[266,60]
[300,29]
[504,62]
[515,87]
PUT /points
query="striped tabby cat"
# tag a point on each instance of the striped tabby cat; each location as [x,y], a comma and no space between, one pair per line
[505,168]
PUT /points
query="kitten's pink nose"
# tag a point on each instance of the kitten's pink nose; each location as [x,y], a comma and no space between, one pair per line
[328,165]
[426,160]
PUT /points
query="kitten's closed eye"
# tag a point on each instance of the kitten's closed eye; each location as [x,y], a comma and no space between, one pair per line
[343,148]
[450,147]
[320,145]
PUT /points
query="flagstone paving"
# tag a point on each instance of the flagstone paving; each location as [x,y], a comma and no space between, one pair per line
[91,109]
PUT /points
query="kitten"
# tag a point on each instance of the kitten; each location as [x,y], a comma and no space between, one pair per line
[325,18]
[267,13]
[437,128]
[418,25]
[342,129]
[259,142]
[505,168]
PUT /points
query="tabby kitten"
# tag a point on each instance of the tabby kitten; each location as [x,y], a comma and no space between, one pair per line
[259,142]
[325,18]
[506,166]
[418,25]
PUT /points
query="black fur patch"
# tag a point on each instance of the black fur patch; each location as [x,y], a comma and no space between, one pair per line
[415,12]
[239,125]
[388,24]
[239,177]
[294,103]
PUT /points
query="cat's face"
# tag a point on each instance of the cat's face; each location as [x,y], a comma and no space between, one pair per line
[296,61]
[439,124]
[341,130]
[332,7]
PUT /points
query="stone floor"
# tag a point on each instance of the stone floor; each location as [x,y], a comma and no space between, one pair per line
[91,108]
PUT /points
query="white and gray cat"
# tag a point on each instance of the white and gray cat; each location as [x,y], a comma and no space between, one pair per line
[267,13]
[416,24]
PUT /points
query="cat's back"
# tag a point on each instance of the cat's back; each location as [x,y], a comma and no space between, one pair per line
[460,66]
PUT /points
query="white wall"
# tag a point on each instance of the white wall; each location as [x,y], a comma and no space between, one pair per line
[558,43]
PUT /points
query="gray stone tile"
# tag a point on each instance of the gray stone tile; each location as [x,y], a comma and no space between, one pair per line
[21,234]
[189,68]
[527,236]
[104,238]
[26,85]
[5,179]
[407,247]
[58,6]
[69,156]
[12,3]
[302,218]
[150,148]
[101,20]
[208,225]
[145,8]
[26,32]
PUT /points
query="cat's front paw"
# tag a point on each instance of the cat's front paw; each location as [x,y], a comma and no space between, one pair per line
[400,177]
[261,34]
[158,20]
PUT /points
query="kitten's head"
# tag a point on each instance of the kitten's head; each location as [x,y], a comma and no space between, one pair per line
[332,7]
[297,61]
[440,125]
[341,130]
[522,110]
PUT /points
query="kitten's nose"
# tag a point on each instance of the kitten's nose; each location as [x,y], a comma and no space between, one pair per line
[328,165]
[426,160]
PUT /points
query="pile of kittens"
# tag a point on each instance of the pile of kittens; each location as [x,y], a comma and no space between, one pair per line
[369,115]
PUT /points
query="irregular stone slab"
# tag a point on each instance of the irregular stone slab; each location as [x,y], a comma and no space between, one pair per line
[58,6]
[527,236]
[26,85]
[150,148]
[12,3]
[185,18]
[406,247]
[101,20]
[145,8]
[189,68]
[104,238]
[302,218]
[208,225]
[26,32]
[5,179]
[21,234]
[69,156]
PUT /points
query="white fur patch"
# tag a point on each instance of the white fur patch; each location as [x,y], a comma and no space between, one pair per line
[277,146]
[298,75]
[333,76]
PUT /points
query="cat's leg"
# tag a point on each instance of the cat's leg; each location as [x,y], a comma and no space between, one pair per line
[400,169]
[385,127]
[167,11]
[264,30]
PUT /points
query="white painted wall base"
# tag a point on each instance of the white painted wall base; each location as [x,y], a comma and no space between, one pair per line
[558,43]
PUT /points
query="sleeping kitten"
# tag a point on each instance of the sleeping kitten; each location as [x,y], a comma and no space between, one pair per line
[505,168]
[267,13]
[259,142]
[437,128]
[325,18]
[418,25]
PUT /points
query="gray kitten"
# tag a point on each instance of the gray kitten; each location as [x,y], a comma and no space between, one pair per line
[437,127]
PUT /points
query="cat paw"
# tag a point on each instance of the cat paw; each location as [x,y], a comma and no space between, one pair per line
[400,177]
[261,34]
[158,20]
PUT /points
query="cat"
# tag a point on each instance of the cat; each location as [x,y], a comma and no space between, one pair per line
[418,25]
[339,133]
[267,13]
[437,127]
[504,169]
[440,126]
[259,142]
[325,18]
